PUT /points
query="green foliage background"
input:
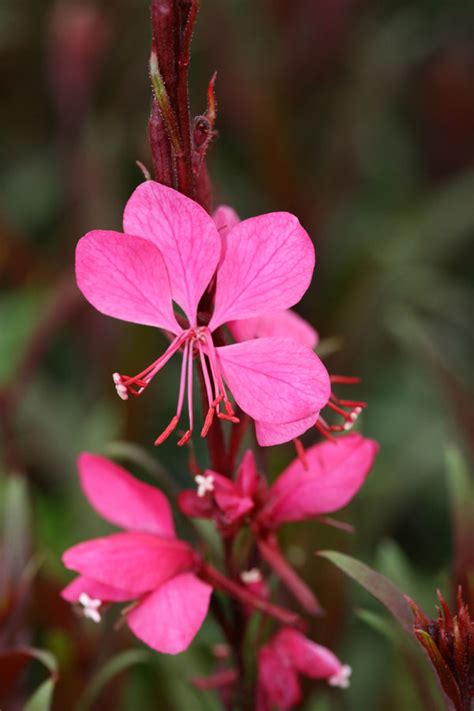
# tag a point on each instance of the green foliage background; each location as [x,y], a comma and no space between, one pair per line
[359,117]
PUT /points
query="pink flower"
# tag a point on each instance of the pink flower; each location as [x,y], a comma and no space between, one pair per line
[334,473]
[145,564]
[280,662]
[171,251]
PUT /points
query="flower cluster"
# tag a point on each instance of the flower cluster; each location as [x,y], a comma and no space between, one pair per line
[221,290]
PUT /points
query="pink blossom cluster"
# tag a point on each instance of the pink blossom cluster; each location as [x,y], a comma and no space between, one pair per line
[206,281]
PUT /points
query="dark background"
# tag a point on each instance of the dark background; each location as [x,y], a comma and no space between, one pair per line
[358,116]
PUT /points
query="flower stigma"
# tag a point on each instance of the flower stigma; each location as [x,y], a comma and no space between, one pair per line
[91,607]
[341,678]
[204,484]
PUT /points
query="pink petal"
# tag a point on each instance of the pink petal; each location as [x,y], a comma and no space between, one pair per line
[195,506]
[123,500]
[275,380]
[232,504]
[125,277]
[169,618]
[185,235]
[225,218]
[138,562]
[336,471]
[267,267]
[285,324]
[269,435]
[307,658]
[278,685]
[96,590]
[228,497]
[247,476]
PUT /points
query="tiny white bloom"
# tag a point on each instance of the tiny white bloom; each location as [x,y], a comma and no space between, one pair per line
[91,607]
[251,576]
[204,484]
[341,678]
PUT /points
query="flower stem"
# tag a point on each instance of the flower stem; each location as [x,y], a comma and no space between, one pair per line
[245,597]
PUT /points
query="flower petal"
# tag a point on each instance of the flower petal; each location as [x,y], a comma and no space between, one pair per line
[123,500]
[232,504]
[308,658]
[336,471]
[275,380]
[284,324]
[278,685]
[138,562]
[195,506]
[96,590]
[268,434]
[185,235]
[125,277]
[169,618]
[247,476]
[267,267]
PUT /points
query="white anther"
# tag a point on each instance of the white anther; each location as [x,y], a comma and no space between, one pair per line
[341,678]
[348,426]
[121,389]
[251,576]
[91,607]
[204,484]
[354,415]
[358,410]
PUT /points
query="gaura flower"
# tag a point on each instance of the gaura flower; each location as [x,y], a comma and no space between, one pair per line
[172,252]
[333,473]
[280,662]
[146,564]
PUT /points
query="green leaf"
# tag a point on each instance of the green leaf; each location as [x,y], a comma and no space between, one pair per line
[379,623]
[42,698]
[461,493]
[15,661]
[15,519]
[112,668]
[377,585]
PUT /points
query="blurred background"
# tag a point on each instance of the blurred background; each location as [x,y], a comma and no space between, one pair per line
[356,115]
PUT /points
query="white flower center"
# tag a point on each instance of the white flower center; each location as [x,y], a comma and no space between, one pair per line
[251,576]
[91,607]
[204,484]
[341,678]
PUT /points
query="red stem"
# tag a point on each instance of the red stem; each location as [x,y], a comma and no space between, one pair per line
[185,174]
[244,596]
[292,580]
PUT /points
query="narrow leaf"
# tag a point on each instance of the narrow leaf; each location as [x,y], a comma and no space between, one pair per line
[42,697]
[377,585]
[111,669]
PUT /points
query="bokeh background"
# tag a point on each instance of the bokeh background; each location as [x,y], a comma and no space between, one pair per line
[356,115]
